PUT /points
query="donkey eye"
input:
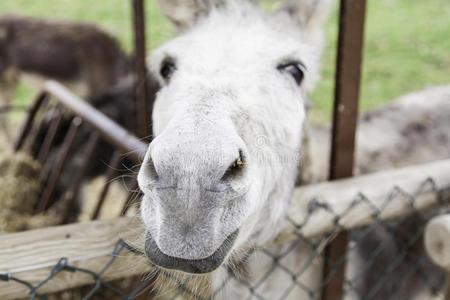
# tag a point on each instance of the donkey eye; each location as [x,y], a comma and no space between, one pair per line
[167,69]
[295,69]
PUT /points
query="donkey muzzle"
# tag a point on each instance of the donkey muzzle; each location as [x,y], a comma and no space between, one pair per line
[194,266]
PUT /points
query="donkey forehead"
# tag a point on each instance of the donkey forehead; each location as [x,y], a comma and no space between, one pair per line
[234,45]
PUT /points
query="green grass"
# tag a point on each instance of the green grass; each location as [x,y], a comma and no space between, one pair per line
[112,15]
[407,43]
[407,47]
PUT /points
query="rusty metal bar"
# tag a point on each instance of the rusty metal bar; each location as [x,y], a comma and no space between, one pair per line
[112,173]
[131,196]
[348,74]
[40,98]
[345,115]
[113,133]
[75,188]
[59,166]
[35,132]
[143,103]
[50,136]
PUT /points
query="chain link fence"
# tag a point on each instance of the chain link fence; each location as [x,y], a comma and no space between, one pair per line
[63,266]
[384,260]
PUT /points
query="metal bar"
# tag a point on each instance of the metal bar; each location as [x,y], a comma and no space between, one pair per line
[37,131]
[143,103]
[345,115]
[114,164]
[36,138]
[113,133]
[59,166]
[348,74]
[75,188]
[131,196]
[40,98]
[50,136]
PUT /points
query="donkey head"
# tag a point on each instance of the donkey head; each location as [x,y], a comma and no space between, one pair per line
[228,129]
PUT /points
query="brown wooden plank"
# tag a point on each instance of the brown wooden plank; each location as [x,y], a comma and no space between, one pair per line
[30,255]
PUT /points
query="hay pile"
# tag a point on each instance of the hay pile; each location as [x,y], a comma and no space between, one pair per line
[20,189]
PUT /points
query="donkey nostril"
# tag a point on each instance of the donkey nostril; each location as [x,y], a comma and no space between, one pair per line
[235,169]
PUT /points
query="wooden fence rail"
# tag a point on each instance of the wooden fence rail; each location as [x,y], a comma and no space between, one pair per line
[30,255]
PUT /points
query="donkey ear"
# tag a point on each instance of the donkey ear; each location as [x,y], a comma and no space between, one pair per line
[309,14]
[184,13]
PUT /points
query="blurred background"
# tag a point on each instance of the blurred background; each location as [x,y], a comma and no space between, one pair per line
[407,43]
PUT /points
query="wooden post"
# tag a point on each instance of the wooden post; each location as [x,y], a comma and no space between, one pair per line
[437,244]
[437,241]
[345,115]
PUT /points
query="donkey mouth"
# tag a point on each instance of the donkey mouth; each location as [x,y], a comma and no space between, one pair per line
[194,266]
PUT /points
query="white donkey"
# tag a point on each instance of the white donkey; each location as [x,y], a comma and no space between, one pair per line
[228,125]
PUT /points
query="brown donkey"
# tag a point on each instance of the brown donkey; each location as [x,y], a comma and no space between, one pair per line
[81,56]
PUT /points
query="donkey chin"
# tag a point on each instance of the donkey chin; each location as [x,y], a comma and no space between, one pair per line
[195,201]
[194,266]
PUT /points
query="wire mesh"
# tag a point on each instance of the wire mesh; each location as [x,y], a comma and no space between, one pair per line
[385,260]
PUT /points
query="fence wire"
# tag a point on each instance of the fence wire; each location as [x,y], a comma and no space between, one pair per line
[384,260]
